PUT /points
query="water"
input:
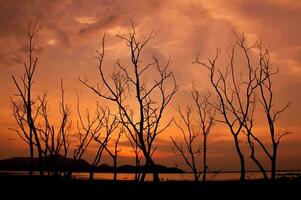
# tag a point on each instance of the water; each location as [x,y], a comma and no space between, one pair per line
[211,176]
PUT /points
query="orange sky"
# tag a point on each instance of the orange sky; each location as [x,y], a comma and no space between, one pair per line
[71,32]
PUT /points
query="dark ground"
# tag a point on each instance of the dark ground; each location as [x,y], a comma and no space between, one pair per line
[36,187]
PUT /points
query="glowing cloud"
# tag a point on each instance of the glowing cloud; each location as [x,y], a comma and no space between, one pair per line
[86,20]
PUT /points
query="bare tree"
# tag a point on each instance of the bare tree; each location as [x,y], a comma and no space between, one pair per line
[206,117]
[201,126]
[249,124]
[235,93]
[266,99]
[142,116]
[87,128]
[27,108]
[190,133]
[114,153]
[55,142]
[109,124]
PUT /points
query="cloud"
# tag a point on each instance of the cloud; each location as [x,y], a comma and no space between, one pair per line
[52,42]
[101,25]
[86,20]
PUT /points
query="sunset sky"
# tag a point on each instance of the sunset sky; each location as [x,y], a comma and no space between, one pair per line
[71,31]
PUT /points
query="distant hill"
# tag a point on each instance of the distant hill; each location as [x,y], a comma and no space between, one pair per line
[23,164]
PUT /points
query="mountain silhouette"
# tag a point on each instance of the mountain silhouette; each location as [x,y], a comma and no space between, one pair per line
[59,163]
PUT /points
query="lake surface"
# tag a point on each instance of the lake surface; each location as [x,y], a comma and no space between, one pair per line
[213,176]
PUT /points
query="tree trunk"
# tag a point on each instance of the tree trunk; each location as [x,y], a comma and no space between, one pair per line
[205,159]
[115,168]
[33,131]
[242,169]
[273,175]
[151,164]
[273,163]
[153,168]
[275,146]
[37,140]
[137,173]
[252,156]
[265,176]
[142,178]
[31,156]
[196,178]
[143,172]
[242,160]
[41,165]
[91,175]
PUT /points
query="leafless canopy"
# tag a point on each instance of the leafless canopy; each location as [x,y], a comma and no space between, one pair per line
[109,125]
[142,116]
[55,142]
[237,99]
[27,108]
[235,93]
[264,78]
[191,150]
[195,127]
[206,118]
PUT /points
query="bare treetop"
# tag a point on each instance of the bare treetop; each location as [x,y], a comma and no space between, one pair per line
[141,116]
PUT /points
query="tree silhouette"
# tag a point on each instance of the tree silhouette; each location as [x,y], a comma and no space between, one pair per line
[235,93]
[114,153]
[55,142]
[32,116]
[206,117]
[237,100]
[142,117]
[189,134]
[194,129]
[27,108]
[266,97]
[108,125]
[86,128]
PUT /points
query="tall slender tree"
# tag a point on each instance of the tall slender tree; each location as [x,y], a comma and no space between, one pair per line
[194,128]
[266,97]
[191,150]
[26,110]
[206,117]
